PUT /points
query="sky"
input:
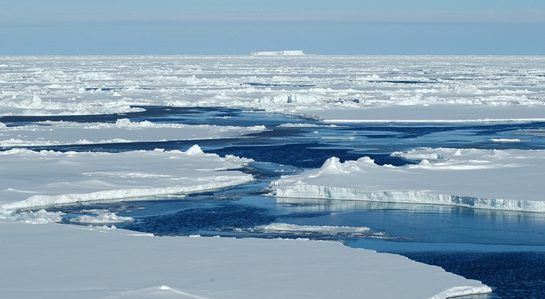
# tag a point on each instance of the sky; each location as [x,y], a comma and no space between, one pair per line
[65,27]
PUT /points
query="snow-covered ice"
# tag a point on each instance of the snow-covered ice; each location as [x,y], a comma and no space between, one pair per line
[63,261]
[30,179]
[123,131]
[488,179]
[322,86]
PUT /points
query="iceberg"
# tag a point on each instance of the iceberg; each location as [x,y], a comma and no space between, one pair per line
[31,179]
[279,53]
[473,178]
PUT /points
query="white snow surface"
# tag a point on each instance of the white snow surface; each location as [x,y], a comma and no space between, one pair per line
[123,131]
[345,88]
[64,261]
[30,179]
[487,179]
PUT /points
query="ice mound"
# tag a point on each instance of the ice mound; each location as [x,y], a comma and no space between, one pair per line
[194,150]
[32,179]
[332,166]
[486,179]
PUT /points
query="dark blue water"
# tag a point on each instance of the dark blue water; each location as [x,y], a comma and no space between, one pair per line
[492,246]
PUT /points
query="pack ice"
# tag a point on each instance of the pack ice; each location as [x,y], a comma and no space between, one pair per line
[487,179]
[30,179]
[333,88]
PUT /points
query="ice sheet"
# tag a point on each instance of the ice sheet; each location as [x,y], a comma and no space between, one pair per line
[62,261]
[488,179]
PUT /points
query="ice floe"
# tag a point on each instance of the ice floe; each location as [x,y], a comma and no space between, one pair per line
[94,265]
[123,131]
[505,140]
[319,229]
[30,179]
[487,179]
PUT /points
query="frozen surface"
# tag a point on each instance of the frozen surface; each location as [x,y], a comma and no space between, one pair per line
[489,179]
[62,261]
[123,131]
[30,179]
[331,87]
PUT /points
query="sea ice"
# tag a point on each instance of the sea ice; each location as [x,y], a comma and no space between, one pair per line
[123,131]
[30,179]
[64,261]
[335,88]
[487,179]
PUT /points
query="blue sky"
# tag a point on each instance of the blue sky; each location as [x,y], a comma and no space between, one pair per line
[241,26]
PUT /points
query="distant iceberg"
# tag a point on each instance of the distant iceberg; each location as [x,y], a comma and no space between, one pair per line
[279,53]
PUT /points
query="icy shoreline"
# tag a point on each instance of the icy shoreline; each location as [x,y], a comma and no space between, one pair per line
[485,179]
